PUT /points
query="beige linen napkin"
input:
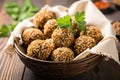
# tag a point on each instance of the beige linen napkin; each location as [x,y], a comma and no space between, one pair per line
[9,48]
[107,46]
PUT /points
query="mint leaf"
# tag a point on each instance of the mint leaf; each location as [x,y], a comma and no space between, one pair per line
[4,31]
[18,13]
[11,5]
[23,16]
[28,3]
[13,10]
[11,27]
[80,19]
[33,9]
[14,16]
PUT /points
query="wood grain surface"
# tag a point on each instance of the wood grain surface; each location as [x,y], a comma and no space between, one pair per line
[11,68]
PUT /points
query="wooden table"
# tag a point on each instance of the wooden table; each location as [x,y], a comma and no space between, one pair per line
[11,68]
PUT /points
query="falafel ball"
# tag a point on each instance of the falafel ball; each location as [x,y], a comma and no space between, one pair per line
[50,41]
[62,54]
[93,32]
[42,16]
[49,27]
[39,49]
[83,42]
[62,37]
[30,34]
[116,26]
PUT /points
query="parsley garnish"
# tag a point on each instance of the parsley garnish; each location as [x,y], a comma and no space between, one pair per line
[80,19]
[66,22]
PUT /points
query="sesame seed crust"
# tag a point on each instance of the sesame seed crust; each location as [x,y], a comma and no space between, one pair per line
[93,32]
[62,37]
[116,26]
[83,42]
[30,34]
[41,17]
[62,54]
[50,42]
[39,49]
[49,27]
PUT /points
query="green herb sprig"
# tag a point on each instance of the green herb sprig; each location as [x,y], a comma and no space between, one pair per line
[80,19]
[66,22]
[17,13]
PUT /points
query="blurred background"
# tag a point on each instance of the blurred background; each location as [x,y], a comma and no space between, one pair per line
[106,6]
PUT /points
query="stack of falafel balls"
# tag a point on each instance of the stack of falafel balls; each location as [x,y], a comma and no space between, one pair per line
[48,42]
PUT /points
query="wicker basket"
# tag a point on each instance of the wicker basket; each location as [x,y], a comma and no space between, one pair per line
[58,69]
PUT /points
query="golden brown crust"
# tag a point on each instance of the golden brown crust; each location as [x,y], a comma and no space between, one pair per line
[83,42]
[41,17]
[40,49]
[50,42]
[49,27]
[62,54]
[93,32]
[116,26]
[62,37]
[30,34]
